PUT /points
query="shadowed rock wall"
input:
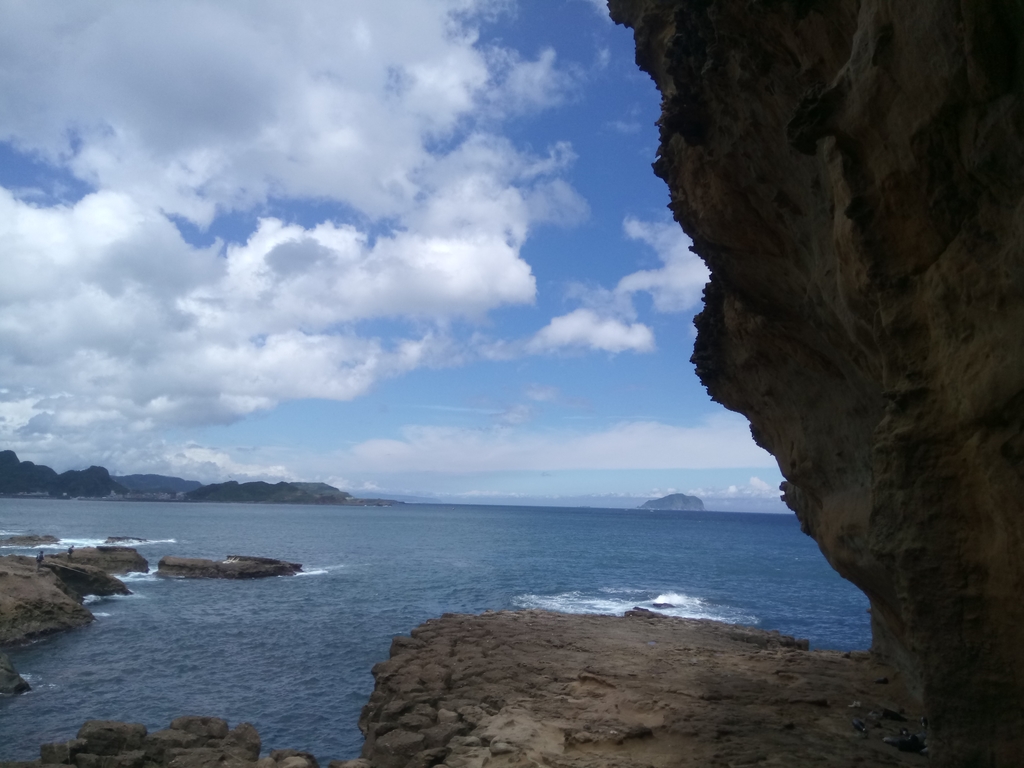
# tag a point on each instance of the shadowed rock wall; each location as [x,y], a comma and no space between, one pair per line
[852,172]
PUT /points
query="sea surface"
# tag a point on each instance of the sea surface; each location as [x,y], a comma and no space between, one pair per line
[292,655]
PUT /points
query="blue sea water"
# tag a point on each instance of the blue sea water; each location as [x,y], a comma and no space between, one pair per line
[292,655]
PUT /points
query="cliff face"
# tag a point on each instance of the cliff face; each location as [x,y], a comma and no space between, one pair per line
[852,172]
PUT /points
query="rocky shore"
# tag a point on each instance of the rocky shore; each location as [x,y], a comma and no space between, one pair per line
[233,567]
[532,688]
[110,559]
[538,688]
[41,598]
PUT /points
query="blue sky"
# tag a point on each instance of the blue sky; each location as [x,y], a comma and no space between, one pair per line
[399,246]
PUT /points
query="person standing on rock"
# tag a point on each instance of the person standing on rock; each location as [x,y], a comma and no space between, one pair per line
[39,559]
[71,551]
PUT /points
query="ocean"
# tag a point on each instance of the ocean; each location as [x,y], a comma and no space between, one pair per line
[292,655]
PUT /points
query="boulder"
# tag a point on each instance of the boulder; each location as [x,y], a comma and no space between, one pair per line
[243,742]
[190,742]
[10,681]
[111,559]
[204,727]
[234,567]
[34,602]
[157,744]
[395,748]
[282,756]
[62,752]
[110,737]
[86,579]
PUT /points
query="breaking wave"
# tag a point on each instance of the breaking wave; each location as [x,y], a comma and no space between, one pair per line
[615,602]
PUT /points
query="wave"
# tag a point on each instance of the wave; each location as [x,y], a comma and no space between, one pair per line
[79,543]
[151,576]
[323,571]
[613,602]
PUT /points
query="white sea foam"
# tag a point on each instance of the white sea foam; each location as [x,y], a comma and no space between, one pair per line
[614,602]
[151,576]
[78,543]
[320,571]
[100,615]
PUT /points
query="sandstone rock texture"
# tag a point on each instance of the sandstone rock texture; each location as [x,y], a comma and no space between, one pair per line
[84,579]
[234,567]
[852,173]
[34,603]
[532,688]
[112,559]
[190,742]
[10,681]
[30,540]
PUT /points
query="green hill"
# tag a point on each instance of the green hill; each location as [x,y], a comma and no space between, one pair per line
[252,493]
[24,477]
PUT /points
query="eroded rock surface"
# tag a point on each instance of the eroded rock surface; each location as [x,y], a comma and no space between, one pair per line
[29,540]
[537,688]
[111,559]
[35,602]
[189,742]
[852,172]
[84,579]
[10,681]
[234,567]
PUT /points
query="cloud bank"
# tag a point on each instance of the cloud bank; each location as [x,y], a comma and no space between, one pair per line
[169,115]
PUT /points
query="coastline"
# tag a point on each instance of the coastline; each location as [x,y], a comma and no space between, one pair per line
[531,687]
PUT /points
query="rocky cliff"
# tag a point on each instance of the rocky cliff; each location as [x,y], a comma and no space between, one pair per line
[852,173]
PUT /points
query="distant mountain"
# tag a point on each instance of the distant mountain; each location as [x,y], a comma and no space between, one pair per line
[280,493]
[157,484]
[24,477]
[322,489]
[678,501]
[255,492]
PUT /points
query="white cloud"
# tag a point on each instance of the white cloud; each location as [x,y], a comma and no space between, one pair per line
[111,323]
[606,321]
[756,488]
[675,287]
[601,6]
[541,394]
[584,328]
[722,441]
[191,106]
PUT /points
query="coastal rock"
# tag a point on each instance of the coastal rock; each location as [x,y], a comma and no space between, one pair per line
[196,742]
[234,567]
[35,602]
[85,579]
[62,753]
[297,759]
[109,737]
[30,540]
[10,681]
[852,173]
[124,540]
[538,688]
[111,559]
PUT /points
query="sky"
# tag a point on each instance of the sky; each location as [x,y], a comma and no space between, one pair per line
[404,247]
